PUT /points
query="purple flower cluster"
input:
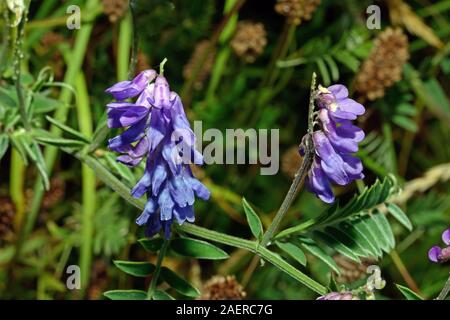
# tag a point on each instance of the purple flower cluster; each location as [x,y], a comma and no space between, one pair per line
[157,128]
[347,295]
[439,255]
[334,142]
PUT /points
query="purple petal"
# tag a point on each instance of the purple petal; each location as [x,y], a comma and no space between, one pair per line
[340,114]
[153,225]
[434,253]
[142,186]
[129,89]
[183,214]
[341,144]
[353,166]
[339,91]
[199,188]
[134,133]
[318,183]
[332,164]
[351,106]
[159,176]
[125,115]
[157,129]
[150,208]
[446,237]
[161,97]
[181,193]
[143,98]
[348,130]
[170,154]
[128,161]
[166,204]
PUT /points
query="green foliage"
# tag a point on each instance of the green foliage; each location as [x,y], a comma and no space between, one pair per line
[408,293]
[198,249]
[253,220]
[355,230]
[126,295]
[178,283]
[137,269]
[151,245]
[111,227]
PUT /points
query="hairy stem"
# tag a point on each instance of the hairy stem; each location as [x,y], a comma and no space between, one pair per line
[162,253]
[300,174]
[18,56]
[445,290]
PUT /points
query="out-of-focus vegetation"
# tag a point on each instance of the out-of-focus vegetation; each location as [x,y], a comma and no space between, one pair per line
[235,64]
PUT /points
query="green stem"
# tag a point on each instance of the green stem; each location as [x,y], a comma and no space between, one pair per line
[123,54]
[300,174]
[134,46]
[88,186]
[445,290]
[16,187]
[18,55]
[161,255]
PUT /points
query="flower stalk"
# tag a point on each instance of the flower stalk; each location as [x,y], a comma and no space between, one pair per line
[445,290]
[301,172]
[162,253]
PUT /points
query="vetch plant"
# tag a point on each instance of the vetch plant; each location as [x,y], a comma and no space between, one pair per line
[147,135]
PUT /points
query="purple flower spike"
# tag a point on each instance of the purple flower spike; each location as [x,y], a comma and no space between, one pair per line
[334,142]
[129,89]
[439,255]
[157,128]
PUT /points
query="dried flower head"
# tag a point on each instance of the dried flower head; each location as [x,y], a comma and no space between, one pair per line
[222,288]
[350,270]
[296,10]
[48,47]
[384,65]
[249,40]
[291,161]
[142,62]
[7,210]
[55,194]
[205,65]
[99,280]
[114,9]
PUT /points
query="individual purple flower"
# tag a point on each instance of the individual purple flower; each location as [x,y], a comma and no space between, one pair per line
[347,295]
[157,128]
[129,89]
[334,143]
[439,255]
